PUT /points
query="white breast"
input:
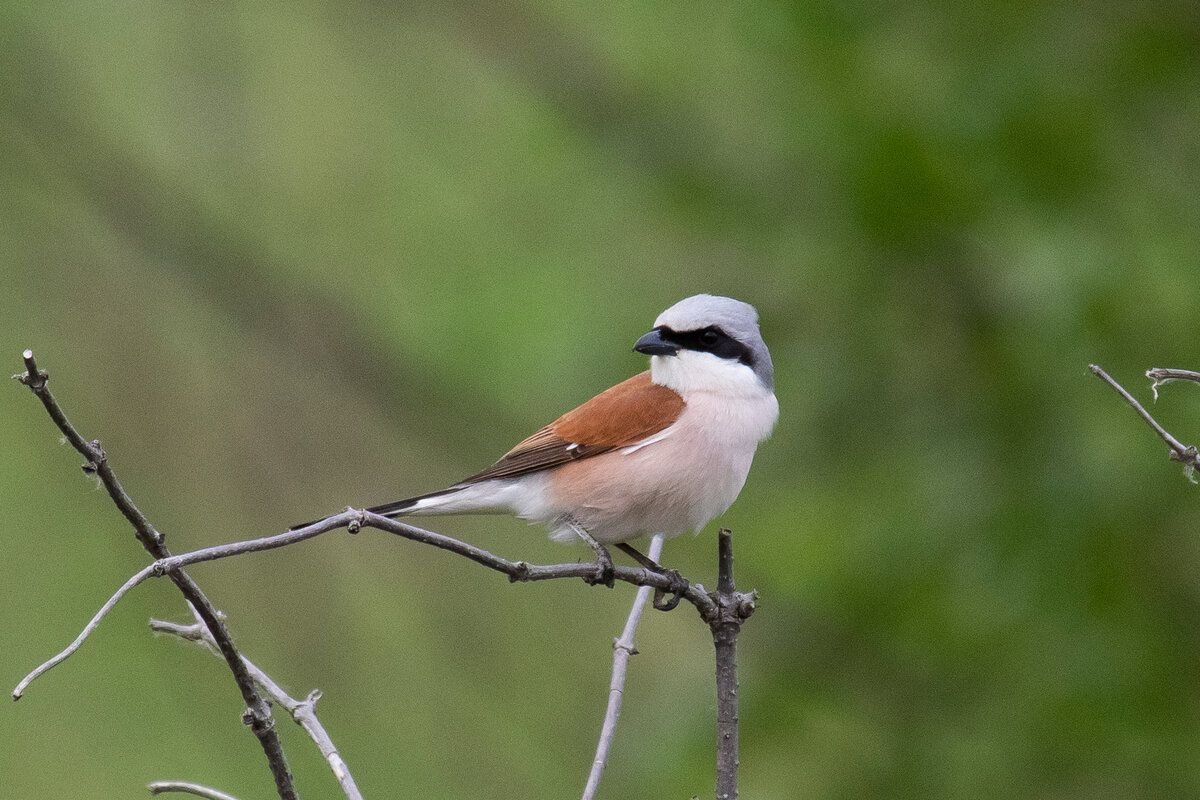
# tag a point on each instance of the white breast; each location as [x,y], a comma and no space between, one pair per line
[673,482]
[712,450]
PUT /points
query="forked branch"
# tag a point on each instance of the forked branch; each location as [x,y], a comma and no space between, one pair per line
[1183,453]
[304,712]
[724,611]
[354,520]
[258,712]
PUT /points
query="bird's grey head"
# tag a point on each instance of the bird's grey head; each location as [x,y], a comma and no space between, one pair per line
[706,323]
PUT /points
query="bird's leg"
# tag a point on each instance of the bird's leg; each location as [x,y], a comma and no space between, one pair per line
[679,584]
[604,563]
[641,558]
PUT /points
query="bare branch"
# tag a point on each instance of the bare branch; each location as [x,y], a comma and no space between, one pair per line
[724,611]
[733,609]
[1185,454]
[1162,375]
[623,649]
[173,564]
[304,712]
[521,571]
[258,712]
[53,662]
[354,520]
[163,787]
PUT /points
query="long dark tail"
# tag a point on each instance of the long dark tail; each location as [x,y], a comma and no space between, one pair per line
[394,508]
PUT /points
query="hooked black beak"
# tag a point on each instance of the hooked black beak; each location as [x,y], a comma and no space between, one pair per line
[653,344]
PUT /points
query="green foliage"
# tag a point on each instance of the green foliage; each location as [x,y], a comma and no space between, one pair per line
[272,254]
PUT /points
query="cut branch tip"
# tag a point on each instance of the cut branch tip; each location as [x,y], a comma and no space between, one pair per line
[32,377]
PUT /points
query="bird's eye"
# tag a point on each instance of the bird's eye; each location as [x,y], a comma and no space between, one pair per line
[710,337]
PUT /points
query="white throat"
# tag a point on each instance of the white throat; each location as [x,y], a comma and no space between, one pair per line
[690,371]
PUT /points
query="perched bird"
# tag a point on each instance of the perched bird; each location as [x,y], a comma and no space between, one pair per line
[665,451]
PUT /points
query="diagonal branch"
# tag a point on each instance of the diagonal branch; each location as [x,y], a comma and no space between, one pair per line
[93,623]
[1185,454]
[304,712]
[724,611]
[623,650]
[258,711]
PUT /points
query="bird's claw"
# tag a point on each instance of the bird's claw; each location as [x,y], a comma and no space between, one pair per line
[679,585]
[605,574]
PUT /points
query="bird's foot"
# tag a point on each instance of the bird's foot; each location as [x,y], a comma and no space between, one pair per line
[679,585]
[605,574]
[605,571]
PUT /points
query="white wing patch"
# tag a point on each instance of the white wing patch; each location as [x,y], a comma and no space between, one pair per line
[658,437]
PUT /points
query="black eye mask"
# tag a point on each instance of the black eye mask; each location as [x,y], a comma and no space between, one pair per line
[709,340]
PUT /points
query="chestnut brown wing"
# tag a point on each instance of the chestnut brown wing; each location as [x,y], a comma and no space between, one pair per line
[629,412]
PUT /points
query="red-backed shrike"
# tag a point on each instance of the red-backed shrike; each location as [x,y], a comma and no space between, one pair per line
[665,451]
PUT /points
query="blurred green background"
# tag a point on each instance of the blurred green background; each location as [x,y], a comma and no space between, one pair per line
[273,253]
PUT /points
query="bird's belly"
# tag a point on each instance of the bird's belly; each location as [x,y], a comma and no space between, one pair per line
[670,487]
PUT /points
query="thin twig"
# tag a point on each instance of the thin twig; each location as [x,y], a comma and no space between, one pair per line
[258,712]
[724,611]
[623,649]
[1185,454]
[304,712]
[53,662]
[183,787]
[171,565]
[354,520]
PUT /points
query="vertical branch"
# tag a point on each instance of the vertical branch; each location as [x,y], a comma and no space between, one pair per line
[733,609]
[623,649]
[258,712]
[725,634]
